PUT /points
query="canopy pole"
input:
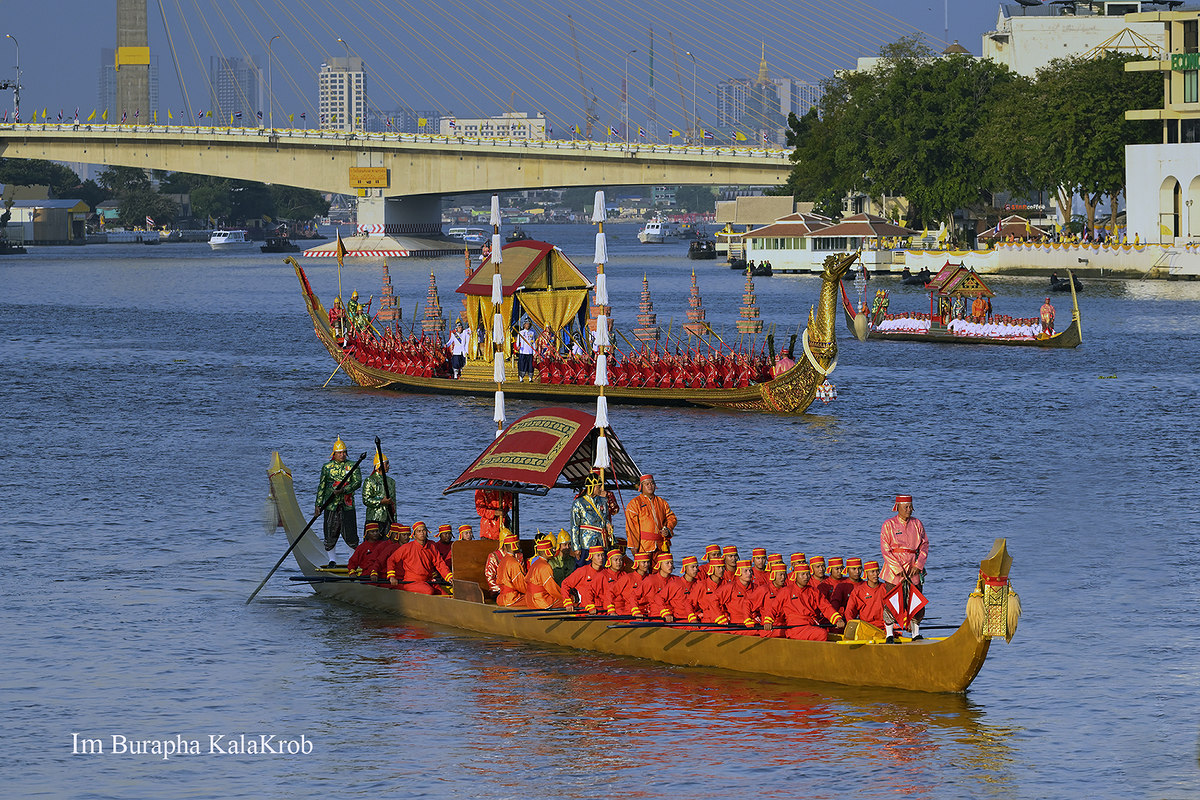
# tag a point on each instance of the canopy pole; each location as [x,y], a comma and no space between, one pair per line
[599,214]
[497,317]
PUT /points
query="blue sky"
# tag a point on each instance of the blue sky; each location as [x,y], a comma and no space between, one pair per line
[478,56]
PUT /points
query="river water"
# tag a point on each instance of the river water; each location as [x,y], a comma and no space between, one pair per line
[144,389]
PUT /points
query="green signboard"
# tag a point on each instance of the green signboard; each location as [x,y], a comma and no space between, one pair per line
[1182,62]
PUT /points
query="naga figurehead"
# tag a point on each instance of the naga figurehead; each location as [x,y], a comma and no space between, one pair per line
[820,343]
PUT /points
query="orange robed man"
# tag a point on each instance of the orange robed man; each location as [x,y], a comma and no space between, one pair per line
[904,545]
[649,520]
[510,574]
[866,601]
[412,564]
[541,589]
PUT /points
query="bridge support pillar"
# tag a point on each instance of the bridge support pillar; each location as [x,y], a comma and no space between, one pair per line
[413,215]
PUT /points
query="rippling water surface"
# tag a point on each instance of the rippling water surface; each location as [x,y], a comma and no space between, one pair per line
[143,390]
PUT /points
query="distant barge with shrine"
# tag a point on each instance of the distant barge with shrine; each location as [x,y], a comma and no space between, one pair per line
[541,283]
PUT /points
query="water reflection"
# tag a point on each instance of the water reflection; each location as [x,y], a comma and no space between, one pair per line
[560,710]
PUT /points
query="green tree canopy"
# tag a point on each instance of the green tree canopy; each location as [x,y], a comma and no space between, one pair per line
[36,172]
[696,199]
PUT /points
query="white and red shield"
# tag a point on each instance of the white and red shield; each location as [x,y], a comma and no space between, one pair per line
[903,611]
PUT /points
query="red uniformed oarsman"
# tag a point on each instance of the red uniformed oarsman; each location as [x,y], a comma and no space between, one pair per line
[445,542]
[364,556]
[798,608]
[764,597]
[866,601]
[736,599]
[758,560]
[677,599]
[629,592]
[796,560]
[841,592]
[729,554]
[465,534]
[414,563]
[541,589]
[655,584]
[510,574]
[649,520]
[711,553]
[584,587]
[612,573]
[491,567]
[832,578]
[705,589]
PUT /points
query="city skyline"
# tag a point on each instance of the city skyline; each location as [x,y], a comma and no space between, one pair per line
[53,64]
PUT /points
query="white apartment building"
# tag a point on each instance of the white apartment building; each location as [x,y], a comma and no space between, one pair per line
[509,125]
[342,86]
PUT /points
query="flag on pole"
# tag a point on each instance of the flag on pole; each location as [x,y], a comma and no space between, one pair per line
[154,116]
[199,115]
[169,114]
[104,116]
[76,115]
[422,122]
[675,134]
[641,132]
[577,131]
[549,130]
[60,115]
[291,119]
[302,115]
[340,251]
[707,134]
[136,113]
[124,115]
[92,115]
[738,136]
[389,122]
[259,113]
[766,138]
[149,222]
[237,115]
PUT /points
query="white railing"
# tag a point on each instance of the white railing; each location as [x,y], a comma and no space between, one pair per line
[359,137]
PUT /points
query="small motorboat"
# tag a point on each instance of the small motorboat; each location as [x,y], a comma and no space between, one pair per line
[518,235]
[920,279]
[761,270]
[1058,284]
[738,264]
[280,244]
[228,240]
[702,249]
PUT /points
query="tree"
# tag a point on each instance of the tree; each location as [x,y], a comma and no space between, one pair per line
[211,199]
[92,194]
[296,204]
[578,199]
[36,172]
[123,180]
[696,199]
[137,204]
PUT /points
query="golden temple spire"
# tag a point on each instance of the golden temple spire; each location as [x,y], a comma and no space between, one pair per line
[763,76]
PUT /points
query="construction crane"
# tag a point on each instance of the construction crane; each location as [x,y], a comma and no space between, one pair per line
[589,98]
[679,82]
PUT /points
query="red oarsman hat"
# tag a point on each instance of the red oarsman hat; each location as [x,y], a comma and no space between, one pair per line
[775,557]
[543,546]
[690,561]
[816,560]
[444,528]
[595,550]
[836,561]
[853,562]
[802,567]
[462,528]
[870,565]
[715,565]
[712,550]
[901,498]
[406,529]
[776,569]
[759,552]
[620,554]
[797,558]
[743,563]
[637,557]
[646,476]
[729,550]
[661,557]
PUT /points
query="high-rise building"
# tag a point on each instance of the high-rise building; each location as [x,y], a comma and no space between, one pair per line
[342,87]
[237,91]
[106,97]
[763,103]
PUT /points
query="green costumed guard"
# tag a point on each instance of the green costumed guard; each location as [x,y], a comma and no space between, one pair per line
[335,494]
[381,507]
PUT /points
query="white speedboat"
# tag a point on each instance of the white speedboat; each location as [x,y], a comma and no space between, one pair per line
[228,240]
[471,235]
[658,231]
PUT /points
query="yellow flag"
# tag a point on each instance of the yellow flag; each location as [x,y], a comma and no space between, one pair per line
[577,132]
[944,235]
[92,115]
[422,122]
[291,119]
[739,136]
[169,114]
[154,116]
[1166,231]
[104,116]
[925,233]
[340,250]
[45,113]
[675,134]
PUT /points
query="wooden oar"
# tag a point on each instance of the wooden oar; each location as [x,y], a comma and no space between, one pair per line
[288,552]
